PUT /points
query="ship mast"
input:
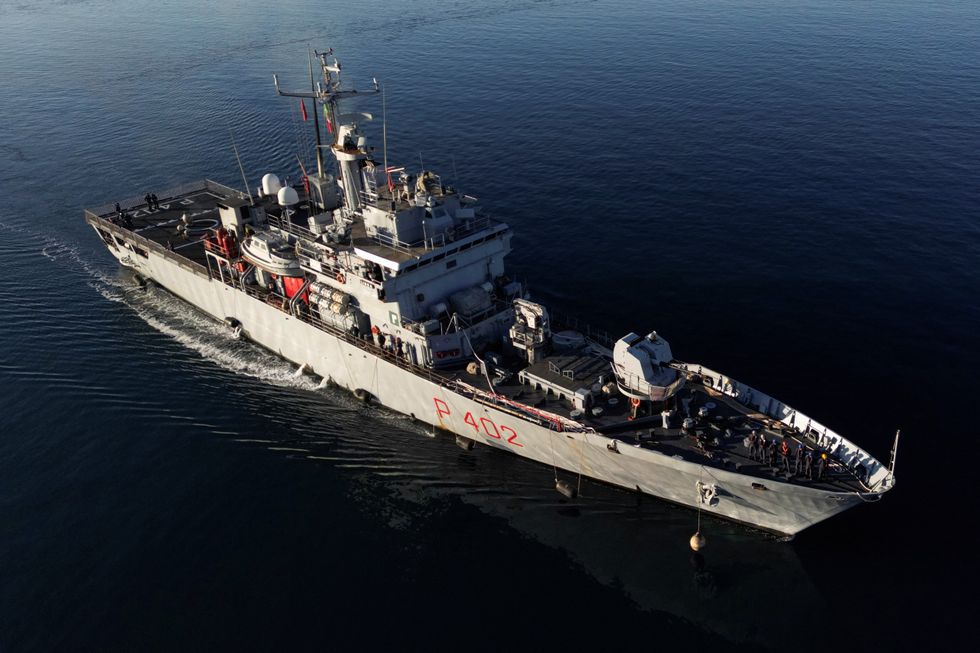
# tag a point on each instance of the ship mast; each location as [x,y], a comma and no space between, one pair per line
[328,92]
[316,123]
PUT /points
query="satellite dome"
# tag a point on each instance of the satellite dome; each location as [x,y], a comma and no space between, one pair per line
[271,184]
[288,196]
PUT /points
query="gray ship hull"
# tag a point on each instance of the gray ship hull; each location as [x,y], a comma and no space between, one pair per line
[775,506]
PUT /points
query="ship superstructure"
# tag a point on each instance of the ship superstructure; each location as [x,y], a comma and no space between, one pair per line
[393,285]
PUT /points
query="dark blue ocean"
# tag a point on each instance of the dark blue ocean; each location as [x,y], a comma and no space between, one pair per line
[787,190]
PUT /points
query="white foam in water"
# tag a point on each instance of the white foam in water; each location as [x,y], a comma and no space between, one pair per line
[169,315]
[212,340]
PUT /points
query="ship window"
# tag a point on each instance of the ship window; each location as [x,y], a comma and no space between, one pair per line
[140,252]
[466,246]
[451,264]
[439,257]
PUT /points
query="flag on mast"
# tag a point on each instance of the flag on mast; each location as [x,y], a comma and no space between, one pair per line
[326,116]
[388,171]
[302,108]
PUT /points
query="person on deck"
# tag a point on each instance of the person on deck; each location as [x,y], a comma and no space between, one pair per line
[822,467]
[771,453]
[751,441]
[799,459]
[784,454]
[761,447]
[808,464]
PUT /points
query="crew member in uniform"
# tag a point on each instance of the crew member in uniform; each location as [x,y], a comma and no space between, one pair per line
[752,440]
[784,454]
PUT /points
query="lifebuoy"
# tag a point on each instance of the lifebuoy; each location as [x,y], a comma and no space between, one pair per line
[634,402]
[340,277]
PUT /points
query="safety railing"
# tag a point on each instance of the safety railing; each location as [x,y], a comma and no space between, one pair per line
[848,453]
[542,417]
[561,321]
[147,244]
[171,193]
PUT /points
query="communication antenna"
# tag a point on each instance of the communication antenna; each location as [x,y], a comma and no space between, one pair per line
[316,120]
[251,200]
[384,134]
[891,466]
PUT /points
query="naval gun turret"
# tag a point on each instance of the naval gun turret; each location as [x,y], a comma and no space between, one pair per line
[642,367]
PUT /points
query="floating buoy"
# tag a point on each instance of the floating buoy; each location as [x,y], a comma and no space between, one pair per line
[465,443]
[565,489]
[698,542]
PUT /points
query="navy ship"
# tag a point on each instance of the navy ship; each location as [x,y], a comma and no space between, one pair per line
[392,284]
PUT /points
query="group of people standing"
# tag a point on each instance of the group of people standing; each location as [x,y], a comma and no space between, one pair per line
[779,453]
[152,203]
[122,217]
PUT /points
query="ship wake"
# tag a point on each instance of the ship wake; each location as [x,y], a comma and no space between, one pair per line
[214,342]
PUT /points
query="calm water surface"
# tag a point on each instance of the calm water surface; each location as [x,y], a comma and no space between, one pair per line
[788,191]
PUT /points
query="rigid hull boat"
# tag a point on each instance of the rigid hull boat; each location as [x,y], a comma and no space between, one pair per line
[393,286]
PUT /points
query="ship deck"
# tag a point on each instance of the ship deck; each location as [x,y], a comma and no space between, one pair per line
[199,203]
[715,441]
[159,227]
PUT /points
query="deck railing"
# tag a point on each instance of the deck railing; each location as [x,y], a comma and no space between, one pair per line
[151,245]
[169,194]
[848,453]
